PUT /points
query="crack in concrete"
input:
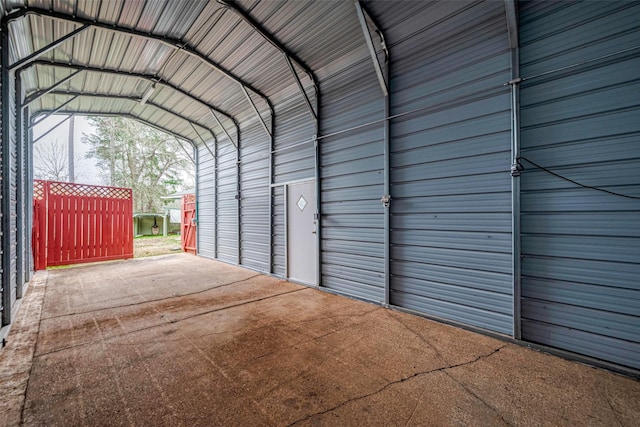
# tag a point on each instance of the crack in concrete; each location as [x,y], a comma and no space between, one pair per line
[152,300]
[169,322]
[484,402]
[392,383]
[417,334]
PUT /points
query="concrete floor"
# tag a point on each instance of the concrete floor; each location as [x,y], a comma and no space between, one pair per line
[180,340]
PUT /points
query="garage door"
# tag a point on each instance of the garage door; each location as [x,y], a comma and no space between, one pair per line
[581,121]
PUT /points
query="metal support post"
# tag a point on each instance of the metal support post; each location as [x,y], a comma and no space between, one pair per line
[238,199]
[386,199]
[271,147]
[516,168]
[318,214]
[29,192]
[216,194]
[6,181]
[196,156]
[20,189]
[383,75]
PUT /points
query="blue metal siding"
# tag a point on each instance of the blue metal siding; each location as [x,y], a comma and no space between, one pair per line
[206,228]
[254,175]
[581,119]
[352,183]
[450,158]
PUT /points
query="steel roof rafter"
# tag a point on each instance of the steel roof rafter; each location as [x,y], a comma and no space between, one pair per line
[37,95]
[48,47]
[126,115]
[173,43]
[148,77]
[51,129]
[127,98]
[57,109]
[289,56]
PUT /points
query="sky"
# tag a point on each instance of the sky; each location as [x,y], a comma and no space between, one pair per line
[86,171]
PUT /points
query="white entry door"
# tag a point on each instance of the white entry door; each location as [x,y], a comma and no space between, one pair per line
[301,232]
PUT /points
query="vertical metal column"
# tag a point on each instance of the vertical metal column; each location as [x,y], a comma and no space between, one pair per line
[20,189]
[516,168]
[382,74]
[29,191]
[270,240]
[196,157]
[386,199]
[238,197]
[215,197]
[5,141]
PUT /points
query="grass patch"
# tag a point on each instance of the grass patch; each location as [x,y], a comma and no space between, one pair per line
[145,246]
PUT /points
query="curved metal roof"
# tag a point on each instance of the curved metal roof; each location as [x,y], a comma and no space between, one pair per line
[198,55]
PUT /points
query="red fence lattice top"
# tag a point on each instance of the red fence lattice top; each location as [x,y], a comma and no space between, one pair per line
[80,190]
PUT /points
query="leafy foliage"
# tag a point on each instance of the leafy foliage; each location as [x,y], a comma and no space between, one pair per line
[130,154]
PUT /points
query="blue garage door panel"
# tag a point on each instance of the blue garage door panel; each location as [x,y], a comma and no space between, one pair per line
[581,120]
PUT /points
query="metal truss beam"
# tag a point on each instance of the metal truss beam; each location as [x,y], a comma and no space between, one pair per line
[148,77]
[213,113]
[57,109]
[512,23]
[47,48]
[290,57]
[51,129]
[173,43]
[37,95]
[132,99]
[363,17]
[126,115]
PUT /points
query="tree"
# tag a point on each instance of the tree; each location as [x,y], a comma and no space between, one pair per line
[50,161]
[130,154]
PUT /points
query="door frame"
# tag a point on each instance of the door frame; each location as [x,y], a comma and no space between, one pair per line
[285,187]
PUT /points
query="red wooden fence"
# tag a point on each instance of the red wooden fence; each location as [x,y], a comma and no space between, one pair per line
[76,223]
[188,225]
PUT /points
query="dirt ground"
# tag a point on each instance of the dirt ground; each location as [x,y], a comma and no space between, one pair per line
[156,245]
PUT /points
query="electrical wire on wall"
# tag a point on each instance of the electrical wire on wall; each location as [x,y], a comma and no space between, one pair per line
[550,172]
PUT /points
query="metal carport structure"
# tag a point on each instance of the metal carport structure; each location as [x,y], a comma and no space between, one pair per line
[437,136]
